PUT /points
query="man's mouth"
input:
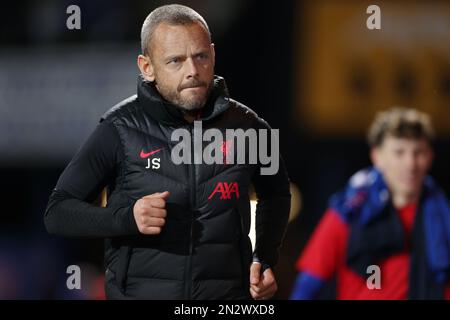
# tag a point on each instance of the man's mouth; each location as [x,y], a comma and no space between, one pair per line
[193,86]
[410,179]
[193,89]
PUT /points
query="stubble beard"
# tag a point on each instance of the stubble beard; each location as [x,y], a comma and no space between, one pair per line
[188,106]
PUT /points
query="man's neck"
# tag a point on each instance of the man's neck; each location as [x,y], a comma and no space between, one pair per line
[401,200]
[189,118]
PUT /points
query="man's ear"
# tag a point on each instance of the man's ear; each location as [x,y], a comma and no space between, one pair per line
[375,157]
[431,158]
[146,66]
[213,52]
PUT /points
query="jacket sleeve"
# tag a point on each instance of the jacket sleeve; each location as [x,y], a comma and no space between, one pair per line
[70,211]
[306,286]
[273,206]
[322,256]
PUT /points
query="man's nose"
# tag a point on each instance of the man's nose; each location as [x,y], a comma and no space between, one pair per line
[411,161]
[192,70]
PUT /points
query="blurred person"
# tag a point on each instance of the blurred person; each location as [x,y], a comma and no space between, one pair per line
[173,231]
[392,215]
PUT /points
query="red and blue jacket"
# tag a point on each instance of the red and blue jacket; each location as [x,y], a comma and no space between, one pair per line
[361,228]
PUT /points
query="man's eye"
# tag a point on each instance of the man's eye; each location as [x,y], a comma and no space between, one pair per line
[202,56]
[174,61]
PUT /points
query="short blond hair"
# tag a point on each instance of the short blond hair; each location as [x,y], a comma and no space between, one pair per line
[400,123]
[173,14]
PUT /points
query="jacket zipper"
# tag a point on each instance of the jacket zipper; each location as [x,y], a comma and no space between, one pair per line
[188,274]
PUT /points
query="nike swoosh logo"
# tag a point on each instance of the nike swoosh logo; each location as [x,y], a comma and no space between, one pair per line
[145,155]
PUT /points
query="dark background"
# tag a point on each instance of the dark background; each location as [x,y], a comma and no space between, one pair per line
[260,51]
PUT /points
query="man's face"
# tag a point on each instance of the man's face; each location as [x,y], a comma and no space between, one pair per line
[404,164]
[182,64]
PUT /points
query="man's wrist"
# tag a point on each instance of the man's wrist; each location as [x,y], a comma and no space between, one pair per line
[131,221]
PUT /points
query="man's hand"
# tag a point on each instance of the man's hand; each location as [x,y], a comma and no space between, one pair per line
[262,286]
[150,212]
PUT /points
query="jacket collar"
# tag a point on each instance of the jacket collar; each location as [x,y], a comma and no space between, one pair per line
[168,114]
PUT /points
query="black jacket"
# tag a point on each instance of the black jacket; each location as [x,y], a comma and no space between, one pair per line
[203,251]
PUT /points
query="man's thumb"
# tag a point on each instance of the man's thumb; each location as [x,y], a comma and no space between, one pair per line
[255,273]
[164,195]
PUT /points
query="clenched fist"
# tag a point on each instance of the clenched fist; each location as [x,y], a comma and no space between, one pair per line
[150,212]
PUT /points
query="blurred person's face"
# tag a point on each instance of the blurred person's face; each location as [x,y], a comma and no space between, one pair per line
[181,63]
[404,164]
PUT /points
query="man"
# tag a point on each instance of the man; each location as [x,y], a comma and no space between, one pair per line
[387,234]
[174,230]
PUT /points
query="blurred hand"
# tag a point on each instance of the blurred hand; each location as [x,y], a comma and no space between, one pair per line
[262,286]
[150,213]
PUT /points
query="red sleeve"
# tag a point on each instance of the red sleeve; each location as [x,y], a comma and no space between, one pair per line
[447,292]
[326,248]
